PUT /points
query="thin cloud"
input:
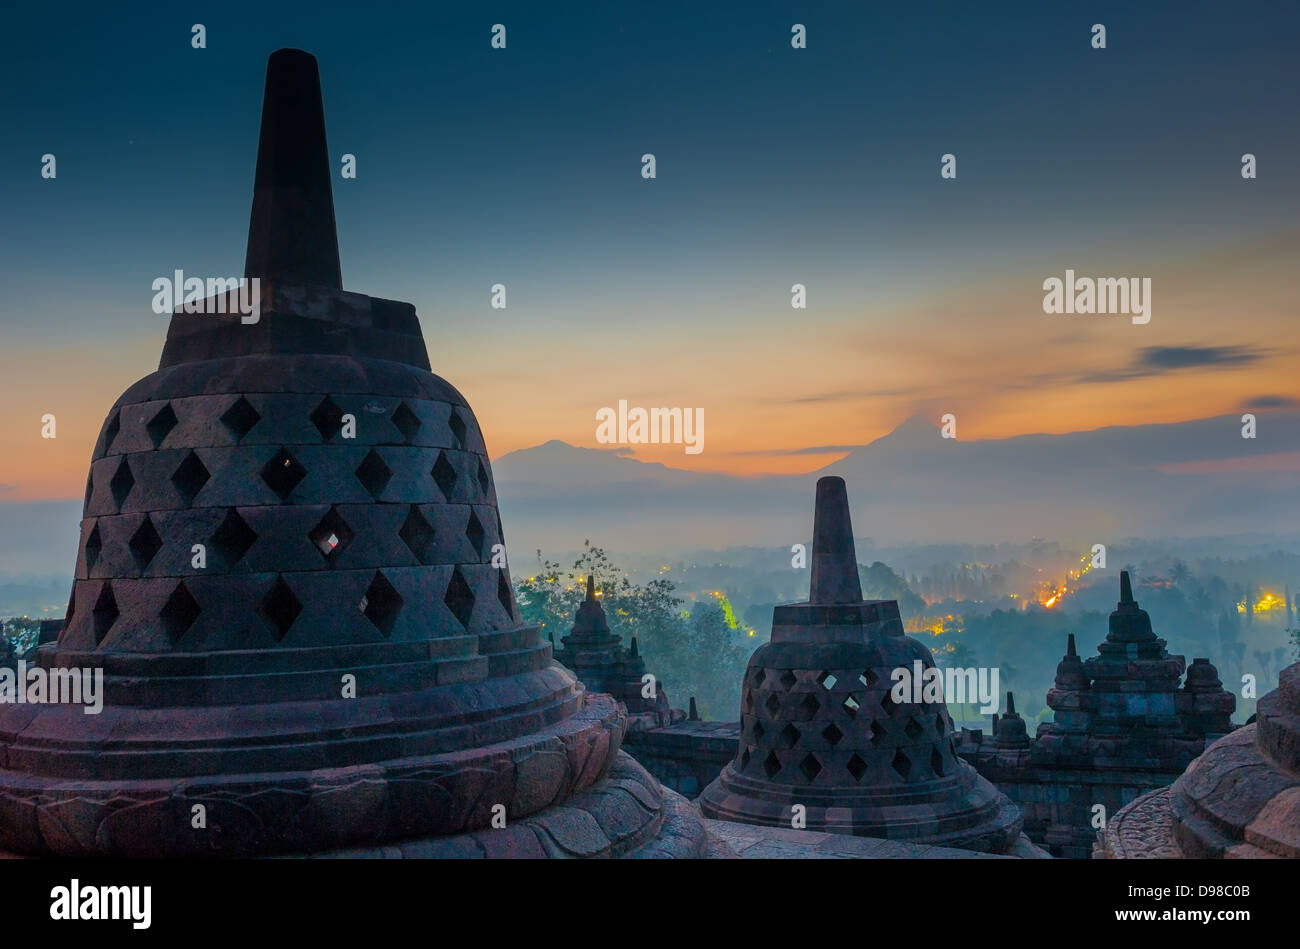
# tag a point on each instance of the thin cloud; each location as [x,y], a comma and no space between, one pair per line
[1157,360]
[1270,402]
[812,450]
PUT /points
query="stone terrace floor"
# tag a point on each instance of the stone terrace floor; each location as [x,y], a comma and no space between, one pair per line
[762,843]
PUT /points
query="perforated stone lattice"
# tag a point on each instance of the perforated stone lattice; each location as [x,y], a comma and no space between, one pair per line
[832,703]
[194,455]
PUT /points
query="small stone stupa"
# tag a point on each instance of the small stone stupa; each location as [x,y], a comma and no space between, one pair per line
[1123,708]
[1121,725]
[820,728]
[285,574]
[597,656]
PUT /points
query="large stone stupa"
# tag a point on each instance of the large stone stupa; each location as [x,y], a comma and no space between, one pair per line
[286,514]
[819,727]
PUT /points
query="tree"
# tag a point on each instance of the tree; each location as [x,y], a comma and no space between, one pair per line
[880,582]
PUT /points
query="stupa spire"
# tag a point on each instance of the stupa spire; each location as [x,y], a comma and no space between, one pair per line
[834,559]
[1125,590]
[291,233]
[1129,622]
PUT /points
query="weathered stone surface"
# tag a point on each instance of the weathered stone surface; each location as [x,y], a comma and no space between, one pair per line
[1238,800]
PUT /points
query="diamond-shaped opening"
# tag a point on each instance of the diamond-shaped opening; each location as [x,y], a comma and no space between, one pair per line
[914,729]
[417,534]
[827,681]
[332,535]
[759,676]
[790,735]
[901,764]
[145,543]
[936,762]
[850,705]
[810,705]
[94,544]
[162,423]
[504,594]
[373,474]
[407,422]
[179,612]
[110,431]
[105,613]
[484,482]
[773,705]
[459,598]
[857,767]
[887,702]
[122,483]
[744,759]
[457,425]
[279,607]
[240,418]
[878,733]
[867,678]
[381,604]
[328,418]
[474,531]
[772,764]
[939,724]
[832,734]
[788,679]
[190,477]
[810,766]
[233,537]
[759,731]
[283,473]
[444,475]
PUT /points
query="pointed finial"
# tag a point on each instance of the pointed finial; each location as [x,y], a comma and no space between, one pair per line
[834,559]
[635,654]
[291,232]
[694,713]
[1125,588]
[1069,649]
[591,588]
[1011,704]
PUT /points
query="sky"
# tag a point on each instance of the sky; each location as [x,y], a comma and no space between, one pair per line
[775,166]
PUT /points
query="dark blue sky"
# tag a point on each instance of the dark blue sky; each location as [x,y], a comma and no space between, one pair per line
[472,159]
[774,165]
